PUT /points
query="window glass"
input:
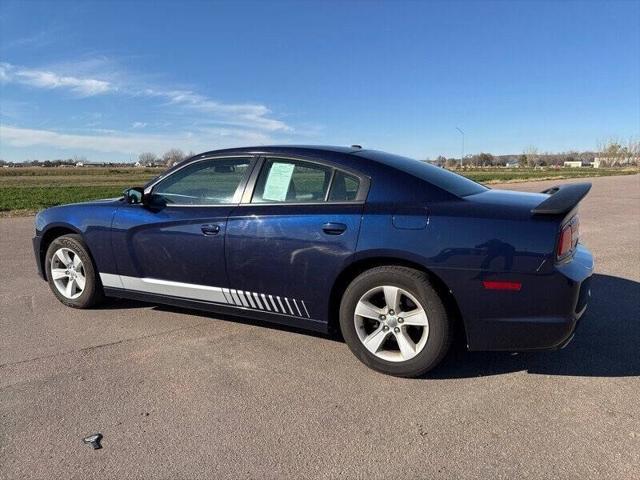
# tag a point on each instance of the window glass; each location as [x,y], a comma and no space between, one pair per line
[344,187]
[440,177]
[291,181]
[209,182]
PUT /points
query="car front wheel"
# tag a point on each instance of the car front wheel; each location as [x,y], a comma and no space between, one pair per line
[394,321]
[70,272]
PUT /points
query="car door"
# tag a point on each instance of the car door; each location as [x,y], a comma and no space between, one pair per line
[292,234]
[174,245]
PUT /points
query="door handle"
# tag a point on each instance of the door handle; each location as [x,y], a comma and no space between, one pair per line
[210,229]
[333,228]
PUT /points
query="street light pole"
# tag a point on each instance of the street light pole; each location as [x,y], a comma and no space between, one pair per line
[462,156]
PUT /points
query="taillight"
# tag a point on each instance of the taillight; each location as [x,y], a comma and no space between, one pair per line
[569,237]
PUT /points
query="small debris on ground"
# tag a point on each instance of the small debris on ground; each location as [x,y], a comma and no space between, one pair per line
[93,440]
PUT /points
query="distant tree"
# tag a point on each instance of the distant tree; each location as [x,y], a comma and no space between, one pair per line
[451,163]
[485,159]
[440,160]
[173,156]
[148,159]
[616,153]
[532,157]
[522,160]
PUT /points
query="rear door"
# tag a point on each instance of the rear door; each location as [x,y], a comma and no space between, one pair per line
[177,249]
[290,237]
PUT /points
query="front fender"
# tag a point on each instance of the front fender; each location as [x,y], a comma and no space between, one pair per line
[91,220]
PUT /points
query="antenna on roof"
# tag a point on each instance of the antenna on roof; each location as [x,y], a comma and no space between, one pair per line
[356,146]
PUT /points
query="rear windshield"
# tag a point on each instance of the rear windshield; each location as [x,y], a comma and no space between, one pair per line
[440,177]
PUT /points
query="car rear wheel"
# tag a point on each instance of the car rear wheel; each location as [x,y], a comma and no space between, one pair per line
[394,321]
[70,272]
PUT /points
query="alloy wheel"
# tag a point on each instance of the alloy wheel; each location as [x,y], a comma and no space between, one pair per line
[67,272]
[391,323]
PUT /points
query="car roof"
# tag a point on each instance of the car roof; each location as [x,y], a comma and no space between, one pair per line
[291,149]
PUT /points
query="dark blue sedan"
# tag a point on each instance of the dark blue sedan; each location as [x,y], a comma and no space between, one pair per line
[392,252]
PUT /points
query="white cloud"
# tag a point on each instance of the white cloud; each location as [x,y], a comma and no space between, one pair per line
[138,124]
[121,142]
[243,115]
[45,79]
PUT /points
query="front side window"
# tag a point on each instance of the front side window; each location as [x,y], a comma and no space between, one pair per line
[208,182]
[292,181]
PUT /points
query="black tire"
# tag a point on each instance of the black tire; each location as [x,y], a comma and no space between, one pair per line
[92,293]
[417,284]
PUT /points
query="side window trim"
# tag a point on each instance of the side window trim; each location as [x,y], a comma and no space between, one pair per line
[240,189]
[333,176]
[252,182]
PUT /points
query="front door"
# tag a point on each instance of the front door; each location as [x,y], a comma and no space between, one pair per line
[287,243]
[177,249]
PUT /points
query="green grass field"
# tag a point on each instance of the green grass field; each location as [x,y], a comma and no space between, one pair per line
[24,191]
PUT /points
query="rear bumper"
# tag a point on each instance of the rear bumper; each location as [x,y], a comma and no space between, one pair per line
[543,315]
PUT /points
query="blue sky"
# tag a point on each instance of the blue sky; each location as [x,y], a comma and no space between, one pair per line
[107,80]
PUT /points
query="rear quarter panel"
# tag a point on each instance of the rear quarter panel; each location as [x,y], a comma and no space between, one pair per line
[464,242]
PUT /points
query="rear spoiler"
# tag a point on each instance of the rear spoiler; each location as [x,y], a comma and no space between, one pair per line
[562,199]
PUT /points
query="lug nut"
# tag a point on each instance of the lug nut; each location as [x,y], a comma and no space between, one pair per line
[400,319]
[391,312]
[385,328]
[383,317]
[397,330]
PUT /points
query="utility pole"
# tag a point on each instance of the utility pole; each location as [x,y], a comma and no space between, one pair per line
[461,156]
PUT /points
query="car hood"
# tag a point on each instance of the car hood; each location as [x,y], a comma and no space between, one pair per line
[78,215]
[100,201]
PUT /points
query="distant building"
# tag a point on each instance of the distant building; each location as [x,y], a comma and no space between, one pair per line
[79,164]
[573,164]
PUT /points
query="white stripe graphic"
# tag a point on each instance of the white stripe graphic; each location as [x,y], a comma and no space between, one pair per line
[266,303]
[297,308]
[242,299]
[257,299]
[281,306]
[275,307]
[249,299]
[286,300]
[305,309]
[206,293]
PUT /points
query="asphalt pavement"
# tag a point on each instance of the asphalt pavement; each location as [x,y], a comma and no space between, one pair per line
[181,394]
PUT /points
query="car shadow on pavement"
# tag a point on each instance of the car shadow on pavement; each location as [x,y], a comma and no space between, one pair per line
[606,344]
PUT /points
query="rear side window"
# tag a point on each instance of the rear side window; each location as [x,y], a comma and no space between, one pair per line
[292,181]
[440,177]
[344,187]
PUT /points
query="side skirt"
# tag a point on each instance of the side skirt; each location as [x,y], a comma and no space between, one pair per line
[272,317]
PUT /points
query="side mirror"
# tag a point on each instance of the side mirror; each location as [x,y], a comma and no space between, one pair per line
[133,195]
